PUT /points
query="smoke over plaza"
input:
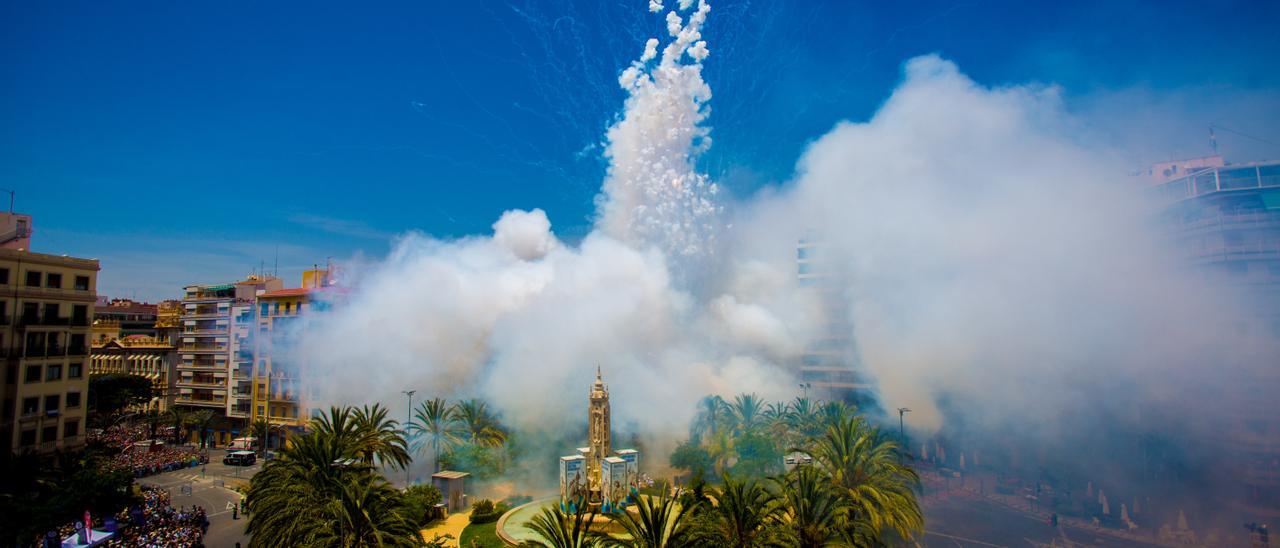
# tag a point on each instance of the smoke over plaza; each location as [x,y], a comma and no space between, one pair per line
[1004,278]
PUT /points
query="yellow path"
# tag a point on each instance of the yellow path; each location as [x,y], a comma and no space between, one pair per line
[452,525]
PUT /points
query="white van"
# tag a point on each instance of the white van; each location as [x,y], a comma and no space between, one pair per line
[243,444]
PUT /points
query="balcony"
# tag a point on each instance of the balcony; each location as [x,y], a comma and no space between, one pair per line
[34,352]
[79,322]
[207,383]
[77,350]
[203,366]
[28,319]
[203,348]
[56,320]
[192,399]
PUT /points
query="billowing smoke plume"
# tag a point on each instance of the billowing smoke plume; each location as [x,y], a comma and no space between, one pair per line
[523,319]
[1000,271]
[653,195]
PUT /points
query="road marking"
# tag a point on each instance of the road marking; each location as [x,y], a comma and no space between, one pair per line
[229,506]
[955,538]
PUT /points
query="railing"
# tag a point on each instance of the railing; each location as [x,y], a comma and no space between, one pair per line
[202,348]
[77,350]
[29,319]
[56,320]
[57,350]
[80,321]
[34,352]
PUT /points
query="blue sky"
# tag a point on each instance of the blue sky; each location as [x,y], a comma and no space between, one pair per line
[183,143]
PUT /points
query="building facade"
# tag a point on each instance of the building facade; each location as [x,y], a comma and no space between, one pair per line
[46,311]
[1225,220]
[128,317]
[150,357]
[208,355]
[829,365]
[281,395]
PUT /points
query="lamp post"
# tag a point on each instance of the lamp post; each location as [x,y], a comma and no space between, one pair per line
[408,419]
[340,465]
[902,432]
[805,386]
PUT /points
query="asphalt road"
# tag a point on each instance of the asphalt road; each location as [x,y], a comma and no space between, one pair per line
[211,486]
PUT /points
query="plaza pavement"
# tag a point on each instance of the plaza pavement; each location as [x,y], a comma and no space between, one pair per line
[211,486]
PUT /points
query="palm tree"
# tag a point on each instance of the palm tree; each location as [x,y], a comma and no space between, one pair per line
[745,514]
[260,429]
[177,417]
[812,510]
[746,413]
[202,420]
[152,419]
[436,422]
[559,529]
[319,492]
[479,425]
[658,522]
[381,437]
[711,413]
[834,412]
[863,464]
[802,421]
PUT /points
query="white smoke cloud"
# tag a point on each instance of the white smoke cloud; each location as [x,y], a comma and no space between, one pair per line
[986,251]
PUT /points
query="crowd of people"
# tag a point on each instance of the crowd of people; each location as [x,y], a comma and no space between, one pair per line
[161,524]
[154,523]
[144,459]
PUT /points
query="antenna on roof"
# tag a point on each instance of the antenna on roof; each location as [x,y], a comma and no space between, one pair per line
[275,270]
[10,199]
[1213,140]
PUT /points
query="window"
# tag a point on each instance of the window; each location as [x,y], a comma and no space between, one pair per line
[80,314]
[28,438]
[75,371]
[33,374]
[287,308]
[264,309]
[49,434]
[8,409]
[52,403]
[277,309]
[53,280]
[50,312]
[4,276]
[33,278]
[73,400]
[71,429]
[82,283]
[30,406]
[53,373]
[30,312]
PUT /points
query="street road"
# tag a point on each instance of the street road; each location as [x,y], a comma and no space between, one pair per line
[211,486]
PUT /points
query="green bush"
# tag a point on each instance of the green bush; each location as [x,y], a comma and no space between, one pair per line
[420,504]
[485,511]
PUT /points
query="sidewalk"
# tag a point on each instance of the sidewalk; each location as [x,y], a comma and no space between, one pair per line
[452,525]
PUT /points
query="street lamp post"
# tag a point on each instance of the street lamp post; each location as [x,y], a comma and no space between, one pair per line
[805,386]
[408,419]
[902,432]
[340,465]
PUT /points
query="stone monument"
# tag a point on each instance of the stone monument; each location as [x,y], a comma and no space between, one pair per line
[594,457]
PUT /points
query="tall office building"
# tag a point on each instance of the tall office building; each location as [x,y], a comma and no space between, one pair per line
[1226,220]
[830,363]
[45,313]
[210,350]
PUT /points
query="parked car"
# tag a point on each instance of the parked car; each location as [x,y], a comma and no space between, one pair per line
[240,458]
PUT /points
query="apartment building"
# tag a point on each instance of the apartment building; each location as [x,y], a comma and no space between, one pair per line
[280,393]
[46,309]
[209,350]
[829,366]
